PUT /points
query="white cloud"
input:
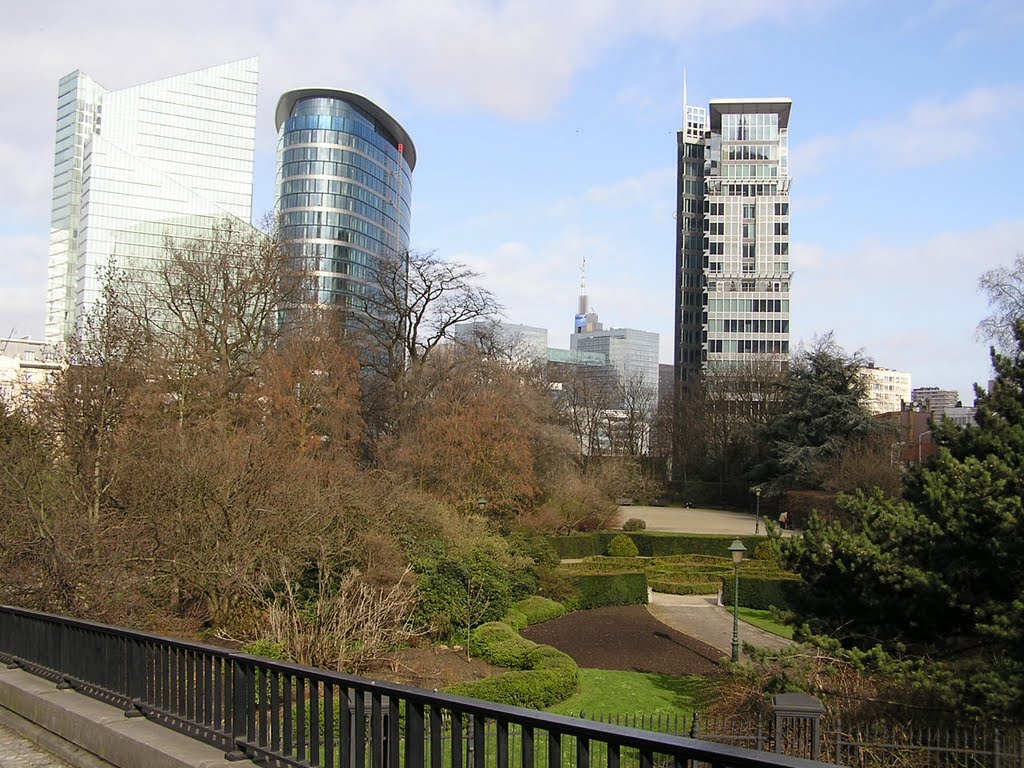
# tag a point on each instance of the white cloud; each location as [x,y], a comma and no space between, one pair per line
[911,306]
[928,133]
[515,59]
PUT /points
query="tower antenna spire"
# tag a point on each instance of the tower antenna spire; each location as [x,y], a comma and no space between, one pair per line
[584,302]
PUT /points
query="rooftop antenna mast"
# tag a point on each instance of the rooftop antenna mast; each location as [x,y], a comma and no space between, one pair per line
[583,309]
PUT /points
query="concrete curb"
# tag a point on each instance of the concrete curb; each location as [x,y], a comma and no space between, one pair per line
[90,730]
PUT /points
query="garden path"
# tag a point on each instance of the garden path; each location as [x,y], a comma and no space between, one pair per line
[702,618]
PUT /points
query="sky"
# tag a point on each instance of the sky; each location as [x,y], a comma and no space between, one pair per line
[546,132]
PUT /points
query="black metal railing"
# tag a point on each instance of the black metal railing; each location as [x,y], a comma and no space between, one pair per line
[291,715]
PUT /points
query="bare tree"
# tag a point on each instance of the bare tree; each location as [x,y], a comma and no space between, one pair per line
[1004,289]
[412,304]
[585,395]
[638,400]
[216,303]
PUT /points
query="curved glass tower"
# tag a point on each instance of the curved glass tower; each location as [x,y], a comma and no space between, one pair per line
[344,185]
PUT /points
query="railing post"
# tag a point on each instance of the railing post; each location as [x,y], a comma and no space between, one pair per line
[798,715]
[63,656]
[135,674]
[239,710]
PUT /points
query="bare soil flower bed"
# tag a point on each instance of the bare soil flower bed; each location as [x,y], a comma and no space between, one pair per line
[623,637]
[626,638]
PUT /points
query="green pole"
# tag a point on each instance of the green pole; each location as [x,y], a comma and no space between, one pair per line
[736,615]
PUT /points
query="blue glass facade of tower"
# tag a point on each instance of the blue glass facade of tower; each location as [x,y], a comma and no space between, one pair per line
[344,189]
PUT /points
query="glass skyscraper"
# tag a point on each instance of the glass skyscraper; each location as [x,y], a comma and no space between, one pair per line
[167,158]
[344,188]
[732,240]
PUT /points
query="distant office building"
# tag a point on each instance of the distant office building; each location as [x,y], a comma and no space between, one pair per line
[524,342]
[962,416]
[887,390]
[732,239]
[171,157]
[344,189]
[24,365]
[933,398]
[631,354]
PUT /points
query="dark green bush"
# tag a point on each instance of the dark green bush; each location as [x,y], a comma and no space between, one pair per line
[546,676]
[516,620]
[455,593]
[534,689]
[763,592]
[497,643]
[538,609]
[634,524]
[602,589]
[622,546]
[556,585]
[768,551]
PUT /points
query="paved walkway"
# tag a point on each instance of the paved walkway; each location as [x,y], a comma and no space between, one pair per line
[700,617]
[18,752]
[694,520]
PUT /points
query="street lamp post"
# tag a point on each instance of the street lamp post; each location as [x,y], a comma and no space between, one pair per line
[757,511]
[736,549]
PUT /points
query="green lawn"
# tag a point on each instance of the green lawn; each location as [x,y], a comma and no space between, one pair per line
[763,620]
[608,692]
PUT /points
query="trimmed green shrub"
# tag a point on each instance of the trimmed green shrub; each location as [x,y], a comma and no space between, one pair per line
[634,524]
[516,620]
[539,609]
[534,689]
[546,676]
[762,591]
[598,590]
[499,644]
[622,546]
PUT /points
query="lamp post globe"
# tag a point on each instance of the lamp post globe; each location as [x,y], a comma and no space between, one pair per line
[736,549]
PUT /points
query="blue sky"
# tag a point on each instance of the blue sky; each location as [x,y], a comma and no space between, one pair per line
[545,131]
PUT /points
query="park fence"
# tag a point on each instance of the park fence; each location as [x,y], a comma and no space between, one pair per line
[799,727]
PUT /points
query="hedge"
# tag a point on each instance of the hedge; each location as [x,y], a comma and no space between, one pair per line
[686,588]
[546,676]
[598,590]
[649,543]
[762,591]
[605,565]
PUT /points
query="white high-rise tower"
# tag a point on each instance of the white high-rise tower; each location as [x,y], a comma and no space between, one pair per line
[131,167]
